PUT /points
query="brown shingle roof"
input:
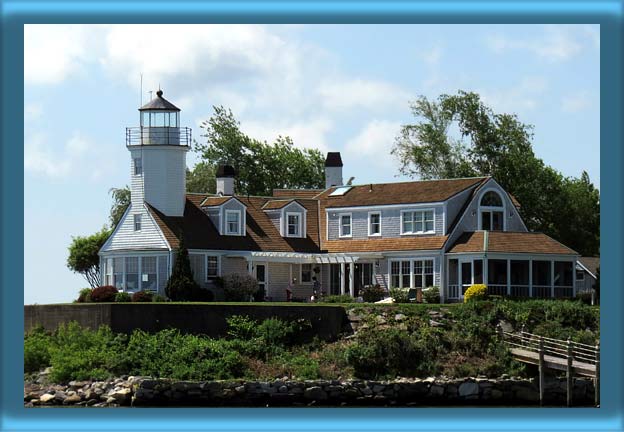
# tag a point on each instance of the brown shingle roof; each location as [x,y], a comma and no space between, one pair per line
[277,204]
[385,244]
[591,264]
[296,193]
[509,242]
[262,235]
[399,193]
[215,201]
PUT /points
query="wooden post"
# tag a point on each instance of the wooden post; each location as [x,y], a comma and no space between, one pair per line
[569,374]
[541,370]
[597,377]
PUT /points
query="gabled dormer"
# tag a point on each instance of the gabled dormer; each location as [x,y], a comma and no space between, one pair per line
[227,213]
[288,216]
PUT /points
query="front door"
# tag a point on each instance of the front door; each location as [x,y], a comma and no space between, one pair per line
[260,272]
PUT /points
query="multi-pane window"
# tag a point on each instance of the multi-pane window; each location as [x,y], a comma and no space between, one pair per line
[345,225]
[137,222]
[148,273]
[374,224]
[108,271]
[138,166]
[405,274]
[132,273]
[423,273]
[212,267]
[232,222]
[294,225]
[395,274]
[197,266]
[118,272]
[492,212]
[306,273]
[417,222]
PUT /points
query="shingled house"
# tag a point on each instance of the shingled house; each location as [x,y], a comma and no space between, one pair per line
[447,233]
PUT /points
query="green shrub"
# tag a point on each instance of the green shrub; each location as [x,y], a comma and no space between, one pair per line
[373,293]
[432,295]
[584,297]
[142,297]
[344,298]
[159,298]
[84,296]
[181,284]
[239,287]
[241,327]
[298,366]
[123,297]
[104,294]
[36,350]
[475,292]
[400,295]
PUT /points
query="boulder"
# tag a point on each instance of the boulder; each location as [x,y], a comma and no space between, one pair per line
[45,398]
[315,393]
[468,389]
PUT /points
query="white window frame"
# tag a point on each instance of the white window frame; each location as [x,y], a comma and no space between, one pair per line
[422,211]
[299,224]
[412,274]
[371,234]
[491,209]
[138,167]
[137,218]
[580,279]
[218,257]
[301,273]
[340,233]
[227,224]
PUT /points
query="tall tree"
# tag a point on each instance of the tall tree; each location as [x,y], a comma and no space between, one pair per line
[459,136]
[201,179]
[83,256]
[121,201]
[261,167]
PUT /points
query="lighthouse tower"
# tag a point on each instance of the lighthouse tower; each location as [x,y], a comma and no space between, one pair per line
[158,157]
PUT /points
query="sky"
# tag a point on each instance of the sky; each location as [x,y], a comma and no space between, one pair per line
[340,88]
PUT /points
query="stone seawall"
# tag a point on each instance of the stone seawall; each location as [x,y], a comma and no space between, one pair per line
[141,391]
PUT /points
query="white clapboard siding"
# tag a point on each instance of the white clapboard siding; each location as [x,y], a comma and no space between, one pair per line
[126,238]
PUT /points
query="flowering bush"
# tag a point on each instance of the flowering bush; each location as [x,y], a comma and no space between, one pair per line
[142,297]
[239,287]
[372,293]
[475,292]
[104,294]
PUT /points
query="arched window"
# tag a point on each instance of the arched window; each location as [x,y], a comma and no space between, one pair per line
[491,212]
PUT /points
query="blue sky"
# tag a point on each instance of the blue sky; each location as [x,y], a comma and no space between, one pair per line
[333,87]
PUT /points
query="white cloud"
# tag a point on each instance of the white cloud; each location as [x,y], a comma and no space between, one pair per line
[347,94]
[526,95]
[305,134]
[40,159]
[53,53]
[374,142]
[555,43]
[576,102]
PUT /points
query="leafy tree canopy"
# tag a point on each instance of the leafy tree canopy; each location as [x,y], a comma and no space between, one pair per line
[459,136]
[121,201]
[261,167]
[83,256]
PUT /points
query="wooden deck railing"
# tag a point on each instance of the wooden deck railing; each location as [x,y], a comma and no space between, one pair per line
[565,355]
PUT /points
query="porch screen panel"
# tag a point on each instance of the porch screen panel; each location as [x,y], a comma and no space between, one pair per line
[148,273]
[478,271]
[453,281]
[108,271]
[367,274]
[519,278]
[497,277]
[541,279]
[418,274]
[162,273]
[118,272]
[197,266]
[563,279]
[428,266]
[395,274]
[405,274]
[132,273]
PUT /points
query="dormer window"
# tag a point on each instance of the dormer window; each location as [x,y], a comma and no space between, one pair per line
[293,224]
[417,222]
[233,222]
[345,225]
[491,212]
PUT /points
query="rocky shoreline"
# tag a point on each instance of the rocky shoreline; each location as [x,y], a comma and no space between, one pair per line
[434,391]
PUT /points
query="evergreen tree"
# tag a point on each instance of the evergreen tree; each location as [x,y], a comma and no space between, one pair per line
[181,286]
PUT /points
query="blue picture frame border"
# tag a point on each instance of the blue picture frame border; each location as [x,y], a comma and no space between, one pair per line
[14,14]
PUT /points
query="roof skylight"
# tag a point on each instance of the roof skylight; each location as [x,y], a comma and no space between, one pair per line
[340,191]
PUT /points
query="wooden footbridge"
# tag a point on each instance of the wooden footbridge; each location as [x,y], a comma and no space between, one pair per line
[562,355]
